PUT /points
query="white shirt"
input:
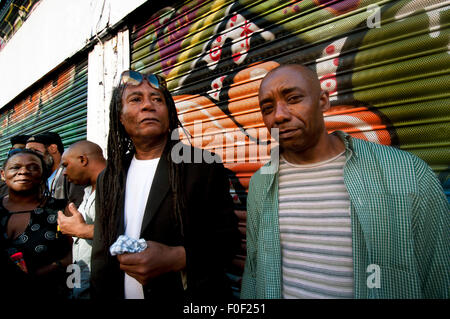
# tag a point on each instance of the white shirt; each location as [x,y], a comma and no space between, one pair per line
[139,181]
[82,248]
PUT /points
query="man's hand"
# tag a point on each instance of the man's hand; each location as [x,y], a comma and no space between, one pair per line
[156,260]
[75,224]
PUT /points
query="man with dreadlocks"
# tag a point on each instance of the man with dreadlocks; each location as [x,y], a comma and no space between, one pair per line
[183,211]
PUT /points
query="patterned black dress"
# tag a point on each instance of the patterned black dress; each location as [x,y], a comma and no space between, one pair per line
[40,245]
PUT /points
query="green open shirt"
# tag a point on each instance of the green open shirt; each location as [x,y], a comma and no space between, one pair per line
[400,220]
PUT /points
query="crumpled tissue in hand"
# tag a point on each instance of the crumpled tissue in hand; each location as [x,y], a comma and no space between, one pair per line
[125,244]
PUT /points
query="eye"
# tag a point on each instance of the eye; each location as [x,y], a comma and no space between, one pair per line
[34,167]
[157,99]
[292,99]
[135,99]
[267,109]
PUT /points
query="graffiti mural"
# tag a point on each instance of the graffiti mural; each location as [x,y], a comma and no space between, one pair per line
[13,14]
[59,105]
[386,68]
[382,80]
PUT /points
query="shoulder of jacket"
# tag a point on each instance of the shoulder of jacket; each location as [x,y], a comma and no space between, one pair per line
[364,147]
[258,178]
[391,157]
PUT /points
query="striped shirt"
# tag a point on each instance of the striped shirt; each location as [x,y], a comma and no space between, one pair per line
[315,230]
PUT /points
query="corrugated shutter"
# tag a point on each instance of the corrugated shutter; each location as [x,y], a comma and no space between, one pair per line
[58,105]
[388,78]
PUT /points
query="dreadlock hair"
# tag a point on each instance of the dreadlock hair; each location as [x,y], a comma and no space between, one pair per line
[43,188]
[119,146]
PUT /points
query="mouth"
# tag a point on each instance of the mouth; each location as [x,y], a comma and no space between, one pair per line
[150,120]
[22,181]
[288,132]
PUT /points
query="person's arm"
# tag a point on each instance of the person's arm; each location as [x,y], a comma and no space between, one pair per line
[214,237]
[75,225]
[106,277]
[248,288]
[431,229]
[224,235]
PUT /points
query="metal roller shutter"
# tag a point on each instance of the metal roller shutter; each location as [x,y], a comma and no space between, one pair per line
[388,78]
[58,105]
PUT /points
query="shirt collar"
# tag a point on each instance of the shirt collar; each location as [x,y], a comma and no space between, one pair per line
[348,143]
[345,138]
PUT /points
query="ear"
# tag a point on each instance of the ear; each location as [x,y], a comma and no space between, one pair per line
[3,175]
[83,160]
[324,101]
[120,118]
[52,149]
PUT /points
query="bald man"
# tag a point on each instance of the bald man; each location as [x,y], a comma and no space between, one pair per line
[339,217]
[82,163]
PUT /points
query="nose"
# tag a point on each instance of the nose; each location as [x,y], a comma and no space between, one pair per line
[147,104]
[23,170]
[282,113]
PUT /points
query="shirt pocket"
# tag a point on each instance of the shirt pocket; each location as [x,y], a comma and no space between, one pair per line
[388,229]
[397,283]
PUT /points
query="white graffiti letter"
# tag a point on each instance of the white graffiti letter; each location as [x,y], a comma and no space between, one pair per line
[274,155]
[374,19]
[74,280]
[373,280]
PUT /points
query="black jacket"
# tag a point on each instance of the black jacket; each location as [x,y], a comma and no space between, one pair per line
[211,236]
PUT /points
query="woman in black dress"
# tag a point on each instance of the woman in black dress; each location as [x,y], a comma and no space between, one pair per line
[33,255]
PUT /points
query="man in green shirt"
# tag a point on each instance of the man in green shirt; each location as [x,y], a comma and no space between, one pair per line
[339,217]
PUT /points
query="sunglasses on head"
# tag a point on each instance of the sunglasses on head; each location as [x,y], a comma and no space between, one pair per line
[131,77]
[13,151]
